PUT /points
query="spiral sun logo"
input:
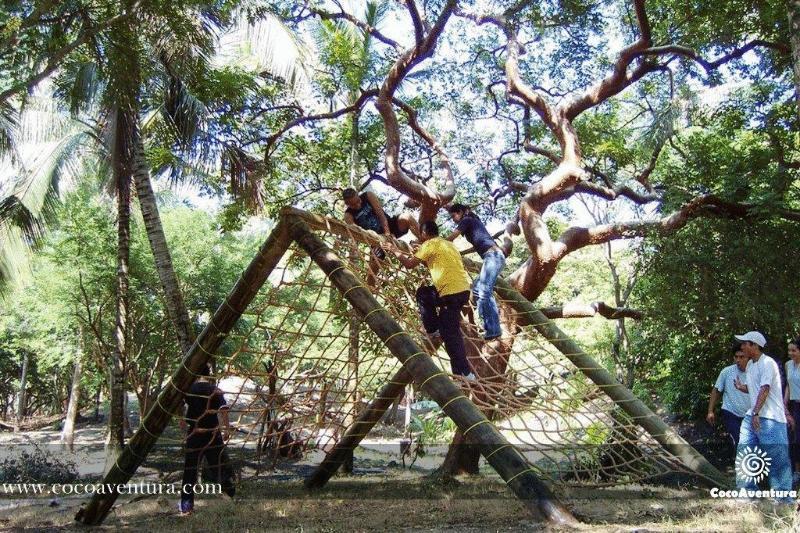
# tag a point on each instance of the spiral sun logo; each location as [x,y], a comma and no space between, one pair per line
[752,464]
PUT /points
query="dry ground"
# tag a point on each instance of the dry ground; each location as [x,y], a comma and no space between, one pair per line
[405,500]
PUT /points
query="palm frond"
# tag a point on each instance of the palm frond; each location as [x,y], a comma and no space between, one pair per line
[265,45]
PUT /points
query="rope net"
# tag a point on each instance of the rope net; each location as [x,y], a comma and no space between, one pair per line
[299,367]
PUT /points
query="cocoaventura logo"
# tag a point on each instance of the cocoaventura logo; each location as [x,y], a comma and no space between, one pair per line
[752,464]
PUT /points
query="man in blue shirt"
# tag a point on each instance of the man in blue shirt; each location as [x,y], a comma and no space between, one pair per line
[735,403]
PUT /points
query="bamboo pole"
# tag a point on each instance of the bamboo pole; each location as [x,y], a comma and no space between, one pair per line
[172,394]
[359,429]
[503,456]
[527,314]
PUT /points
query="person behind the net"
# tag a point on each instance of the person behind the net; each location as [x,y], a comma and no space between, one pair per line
[470,226]
[791,400]
[207,424]
[763,429]
[440,306]
[735,403]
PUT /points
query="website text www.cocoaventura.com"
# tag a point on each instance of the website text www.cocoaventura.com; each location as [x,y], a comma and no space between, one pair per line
[67,489]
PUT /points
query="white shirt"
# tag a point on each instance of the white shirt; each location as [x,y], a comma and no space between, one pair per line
[765,372]
[793,379]
[733,400]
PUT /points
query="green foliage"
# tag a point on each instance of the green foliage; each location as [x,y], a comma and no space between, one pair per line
[714,279]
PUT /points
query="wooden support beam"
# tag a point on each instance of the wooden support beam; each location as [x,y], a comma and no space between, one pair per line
[527,314]
[359,429]
[171,396]
[503,456]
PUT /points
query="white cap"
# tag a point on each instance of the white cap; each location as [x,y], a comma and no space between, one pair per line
[754,337]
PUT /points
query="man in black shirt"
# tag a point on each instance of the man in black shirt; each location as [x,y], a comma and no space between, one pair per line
[470,226]
[205,409]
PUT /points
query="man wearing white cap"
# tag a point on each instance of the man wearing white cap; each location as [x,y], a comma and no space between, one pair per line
[764,426]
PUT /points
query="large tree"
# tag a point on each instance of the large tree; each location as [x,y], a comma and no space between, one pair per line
[581,99]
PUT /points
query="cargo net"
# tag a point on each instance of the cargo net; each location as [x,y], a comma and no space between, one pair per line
[299,367]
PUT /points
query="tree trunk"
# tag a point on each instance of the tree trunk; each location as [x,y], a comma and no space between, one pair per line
[354,152]
[352,382]
[68,433]
[124,142]
[794,41]
[489,367]
[176,306]
[23,384]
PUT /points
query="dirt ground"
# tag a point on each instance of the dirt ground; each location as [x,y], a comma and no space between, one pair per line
[381,495]
[398,499]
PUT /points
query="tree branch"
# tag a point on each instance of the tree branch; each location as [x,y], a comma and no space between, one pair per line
[709,66]
[620,78]
[363,26]
[591,310]
[575,237]
[355,106]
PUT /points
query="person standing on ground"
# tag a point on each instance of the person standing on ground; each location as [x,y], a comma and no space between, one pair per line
[735,403]
[206,411]
[791,400]
[471,227]
[441,305]
[764,425]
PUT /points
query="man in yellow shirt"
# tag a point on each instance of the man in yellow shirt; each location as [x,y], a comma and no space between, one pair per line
[441,305]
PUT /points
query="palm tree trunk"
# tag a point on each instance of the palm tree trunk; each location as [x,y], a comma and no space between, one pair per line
[176,306]
[23,384]
[354,151]
[124,133]
[68,433]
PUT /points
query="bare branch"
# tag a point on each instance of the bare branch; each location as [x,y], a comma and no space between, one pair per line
[620,78]
[416,20]
[429,199]
[357,105]
[575,237]
[709,66]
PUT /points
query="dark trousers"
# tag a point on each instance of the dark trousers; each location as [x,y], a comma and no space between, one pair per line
[732,425]
[443,314]
[794,437]
[208,445]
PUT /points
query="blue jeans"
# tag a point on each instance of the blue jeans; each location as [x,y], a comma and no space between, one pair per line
[772,439]
[483,289]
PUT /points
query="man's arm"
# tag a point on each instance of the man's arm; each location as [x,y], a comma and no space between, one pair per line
[453,236]
[182,420]
[712,404]
[407,260]
[349,218]
[740,386]
[376,206]
[763,392]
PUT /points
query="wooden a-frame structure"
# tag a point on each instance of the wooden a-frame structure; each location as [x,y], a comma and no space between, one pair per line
[297,226]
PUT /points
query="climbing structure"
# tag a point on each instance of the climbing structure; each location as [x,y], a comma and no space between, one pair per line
[314,343]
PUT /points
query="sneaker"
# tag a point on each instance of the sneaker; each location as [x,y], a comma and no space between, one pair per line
[470,377]
[185,508]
